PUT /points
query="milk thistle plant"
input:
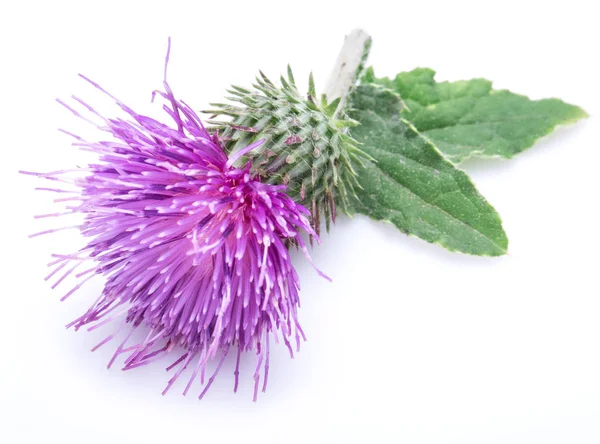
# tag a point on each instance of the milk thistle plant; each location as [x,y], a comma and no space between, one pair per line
[190,224]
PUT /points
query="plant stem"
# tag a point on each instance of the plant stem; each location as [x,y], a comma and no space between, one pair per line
[348,67]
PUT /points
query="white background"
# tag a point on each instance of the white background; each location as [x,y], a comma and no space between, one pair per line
[410,343]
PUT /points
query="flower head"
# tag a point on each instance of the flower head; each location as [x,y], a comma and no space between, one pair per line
[193,247]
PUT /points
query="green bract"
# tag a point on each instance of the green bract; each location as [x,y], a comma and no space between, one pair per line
[468,118]
[306,146]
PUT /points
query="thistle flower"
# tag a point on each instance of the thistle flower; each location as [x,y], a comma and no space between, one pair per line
[194,248]
[306,146]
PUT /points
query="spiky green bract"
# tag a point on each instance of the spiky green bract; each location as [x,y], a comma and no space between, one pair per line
[306,146]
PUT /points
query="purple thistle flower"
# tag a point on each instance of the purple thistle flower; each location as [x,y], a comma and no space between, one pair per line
[193,247]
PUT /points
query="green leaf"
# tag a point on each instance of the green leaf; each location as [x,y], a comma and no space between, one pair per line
[412,185]
[468,118]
